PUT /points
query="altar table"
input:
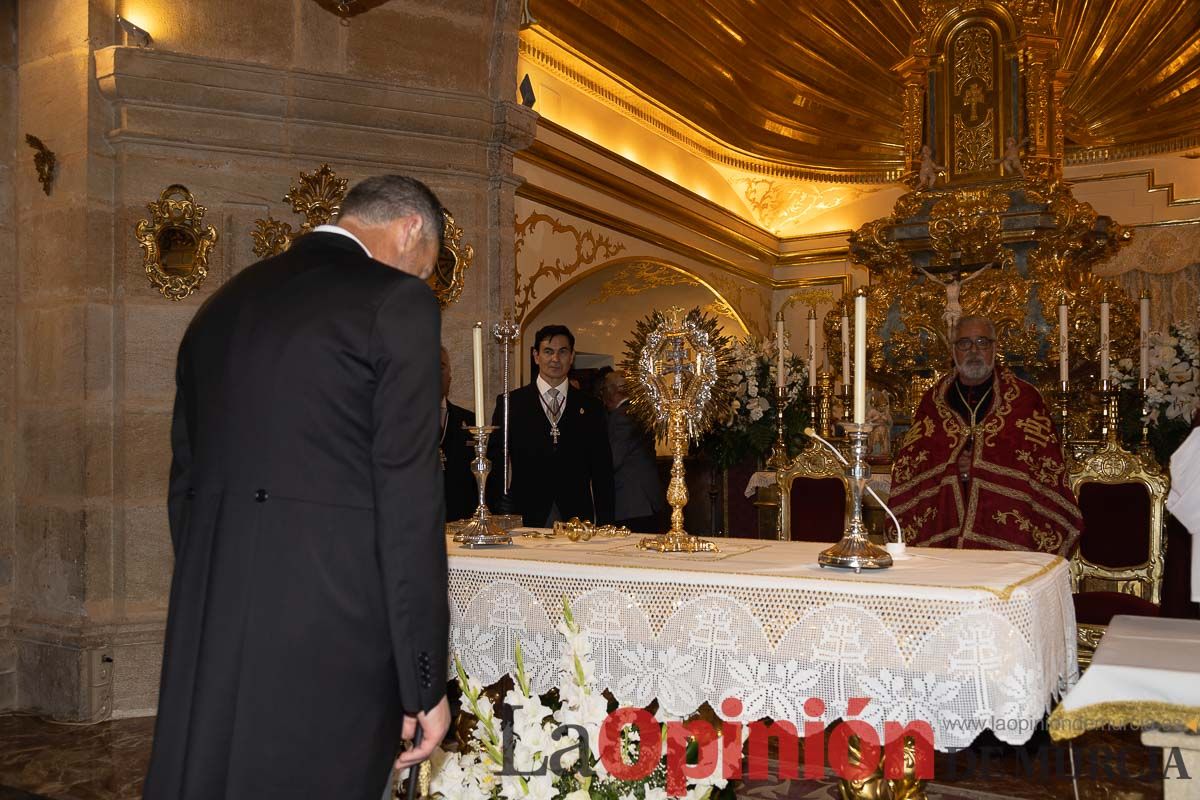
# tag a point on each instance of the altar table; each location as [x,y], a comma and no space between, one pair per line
[1145,673]
[965,640]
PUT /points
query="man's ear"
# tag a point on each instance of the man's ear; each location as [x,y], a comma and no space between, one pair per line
[408,232]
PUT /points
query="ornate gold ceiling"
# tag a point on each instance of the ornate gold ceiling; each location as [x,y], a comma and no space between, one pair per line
[810,83]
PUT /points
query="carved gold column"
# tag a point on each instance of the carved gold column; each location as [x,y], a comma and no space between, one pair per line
[912,72]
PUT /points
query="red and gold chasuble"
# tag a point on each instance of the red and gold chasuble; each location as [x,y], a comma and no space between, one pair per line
[1017,497]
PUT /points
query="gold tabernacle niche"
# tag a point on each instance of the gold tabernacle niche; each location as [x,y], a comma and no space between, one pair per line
[989,227]
[174,243]
[317,197]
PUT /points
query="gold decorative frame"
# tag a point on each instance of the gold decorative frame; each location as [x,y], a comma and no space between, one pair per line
[449,276]
[814,462]
[175,245]
[316,196]
[1112,464]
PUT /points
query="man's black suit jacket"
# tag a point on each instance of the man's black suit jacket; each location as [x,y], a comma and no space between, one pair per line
[462,492]
[308,606]
[576,475]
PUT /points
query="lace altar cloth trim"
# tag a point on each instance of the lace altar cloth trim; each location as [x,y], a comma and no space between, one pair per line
[965,640]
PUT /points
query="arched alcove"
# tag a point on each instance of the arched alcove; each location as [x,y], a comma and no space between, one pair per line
[602,306]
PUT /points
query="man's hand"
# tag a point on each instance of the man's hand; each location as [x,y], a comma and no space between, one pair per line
[434,725]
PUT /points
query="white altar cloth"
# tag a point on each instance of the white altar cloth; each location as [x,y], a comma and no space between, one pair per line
[963,639]
[1146,672]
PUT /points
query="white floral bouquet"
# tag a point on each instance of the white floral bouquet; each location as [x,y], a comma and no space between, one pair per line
[747,428]
[543,756]
[1173,393]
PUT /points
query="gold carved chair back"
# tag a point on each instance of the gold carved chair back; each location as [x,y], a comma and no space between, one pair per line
[1120,563]
[814,496]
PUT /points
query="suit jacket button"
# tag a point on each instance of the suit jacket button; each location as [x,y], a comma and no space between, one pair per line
[261,496]
[191,493]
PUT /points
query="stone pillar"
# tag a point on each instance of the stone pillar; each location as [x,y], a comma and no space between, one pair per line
[62,588]
[8,275]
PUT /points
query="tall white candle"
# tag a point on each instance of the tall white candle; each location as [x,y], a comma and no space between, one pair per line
[845,350]
[477,346]
[781,367]
[812,346]
[860,356]
[1064,371]
[1104,338]
[1144,338]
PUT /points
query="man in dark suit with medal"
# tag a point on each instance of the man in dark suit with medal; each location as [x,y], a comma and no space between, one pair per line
[308,621]
[561,462]
[457,452]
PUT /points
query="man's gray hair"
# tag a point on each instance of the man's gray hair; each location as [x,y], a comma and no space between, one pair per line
[974,318]
[379,200]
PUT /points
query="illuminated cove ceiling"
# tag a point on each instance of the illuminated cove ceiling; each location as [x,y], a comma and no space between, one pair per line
[795,107]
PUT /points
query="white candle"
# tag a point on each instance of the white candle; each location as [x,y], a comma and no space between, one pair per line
[477,345]
[812,346]
[1064,371]
[781,367]
[845,350]
[1144,340]
[1104,338]
[860,357]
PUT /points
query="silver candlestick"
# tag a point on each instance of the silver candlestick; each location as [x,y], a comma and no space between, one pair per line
[855,550]
[481,530]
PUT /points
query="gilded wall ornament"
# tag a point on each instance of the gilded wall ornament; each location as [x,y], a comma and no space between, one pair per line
[589,246]
[174,243]
[316,196]
[449,274]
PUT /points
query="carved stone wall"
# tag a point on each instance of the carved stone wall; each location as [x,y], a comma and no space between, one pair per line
[8,143]
[232,100]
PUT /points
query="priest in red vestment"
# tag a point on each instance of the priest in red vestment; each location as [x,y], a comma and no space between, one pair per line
[982,465]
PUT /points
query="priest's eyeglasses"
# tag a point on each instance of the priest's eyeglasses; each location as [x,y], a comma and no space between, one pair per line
[979,342]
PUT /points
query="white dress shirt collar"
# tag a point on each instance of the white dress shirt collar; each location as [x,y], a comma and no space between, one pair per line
[340,231]
[544,387]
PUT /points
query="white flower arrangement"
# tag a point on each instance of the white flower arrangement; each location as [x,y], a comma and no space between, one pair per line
[1173,392]
[754,367]
[546,759]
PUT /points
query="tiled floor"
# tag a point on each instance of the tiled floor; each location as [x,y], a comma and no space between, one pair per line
[46,761]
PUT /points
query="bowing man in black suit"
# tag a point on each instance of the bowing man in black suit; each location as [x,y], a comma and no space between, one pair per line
[462,492]
[558,442]
[308,621]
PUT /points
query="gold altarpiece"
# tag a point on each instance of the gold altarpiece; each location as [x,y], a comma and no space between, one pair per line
[979,233]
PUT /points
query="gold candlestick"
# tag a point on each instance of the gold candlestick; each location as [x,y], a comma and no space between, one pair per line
[855,550]
[779,457]
[1062,407]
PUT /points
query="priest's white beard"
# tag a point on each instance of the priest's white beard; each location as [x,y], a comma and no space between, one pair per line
[974,367]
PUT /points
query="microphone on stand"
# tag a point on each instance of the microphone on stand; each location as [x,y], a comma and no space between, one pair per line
[878,499]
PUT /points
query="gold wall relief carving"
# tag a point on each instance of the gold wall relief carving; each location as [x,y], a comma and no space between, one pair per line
[967,222]
[973,58]
[175,243]
[640,276]
[974,146]
[588,246]
[811,296]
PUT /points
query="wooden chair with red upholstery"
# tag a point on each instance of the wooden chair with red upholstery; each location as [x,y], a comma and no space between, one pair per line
[1118,568]
[814,496]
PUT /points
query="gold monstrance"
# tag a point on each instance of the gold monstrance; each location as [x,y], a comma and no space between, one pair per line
[676,367]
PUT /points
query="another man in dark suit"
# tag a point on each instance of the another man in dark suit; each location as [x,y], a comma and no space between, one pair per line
[558,442]
[640,500]
[308,617]
[462,492]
